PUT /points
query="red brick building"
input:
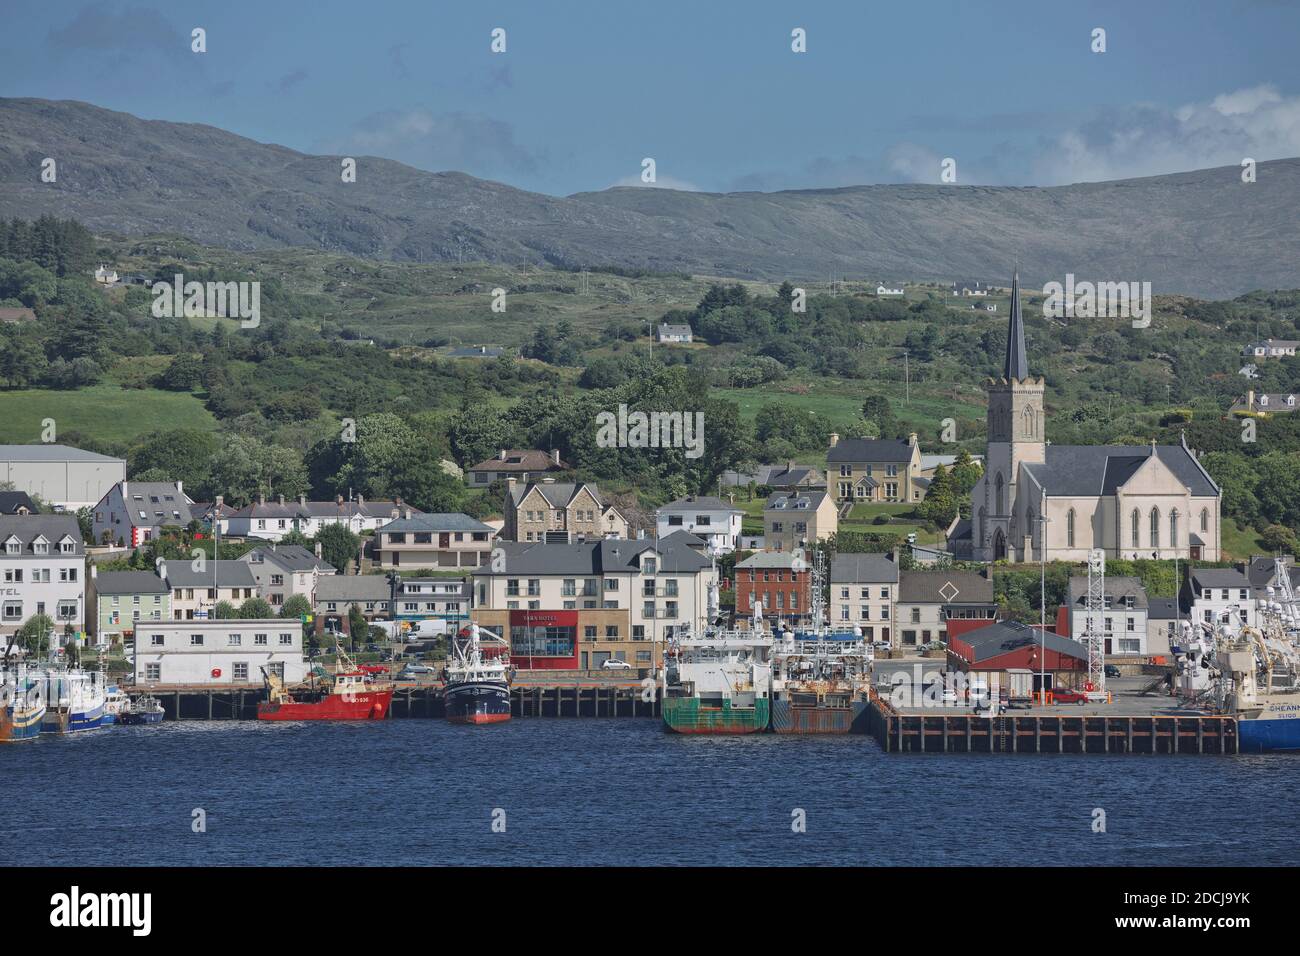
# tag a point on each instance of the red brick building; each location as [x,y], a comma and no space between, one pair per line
[770,577]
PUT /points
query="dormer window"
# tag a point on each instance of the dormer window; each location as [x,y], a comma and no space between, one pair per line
[67,545]
[1263,399]
[40,546]
[13,545]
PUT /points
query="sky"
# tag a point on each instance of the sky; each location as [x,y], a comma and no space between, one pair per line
[711,90]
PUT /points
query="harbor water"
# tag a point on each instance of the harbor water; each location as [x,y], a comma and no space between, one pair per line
[617,791]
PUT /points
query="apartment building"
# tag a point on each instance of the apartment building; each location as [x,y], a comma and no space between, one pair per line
[196,591]
[133,512]
[927,600]
[1124,622]
[120,601]
[780,580]
[42,563]
[559,512]
[283,570]
[1215,595]
[863,592]
[575,606]
[797,519]
[433,541]
[715,521]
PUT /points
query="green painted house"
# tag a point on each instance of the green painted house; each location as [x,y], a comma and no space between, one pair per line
[116,600]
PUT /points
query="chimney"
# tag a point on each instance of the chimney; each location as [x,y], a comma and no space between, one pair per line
[302,501]
[1250,403]
[835,439]
[125,489]
[511,480]
[180,487]
[318,549]
[501,455]
[282,499]
[94,571]
[361,500]
[789,465]
[261,498]
[555,455]
[406,513]
[221,500]
[911,438]
[398,501]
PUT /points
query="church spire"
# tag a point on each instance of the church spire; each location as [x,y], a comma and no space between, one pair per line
[1017,365]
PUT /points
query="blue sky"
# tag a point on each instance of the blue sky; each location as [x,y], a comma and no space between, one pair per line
[711,90]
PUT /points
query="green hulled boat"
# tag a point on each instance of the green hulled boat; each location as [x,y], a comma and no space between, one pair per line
[694,715]
[718,682]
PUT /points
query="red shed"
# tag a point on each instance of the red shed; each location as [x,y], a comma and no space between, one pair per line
[1011,645]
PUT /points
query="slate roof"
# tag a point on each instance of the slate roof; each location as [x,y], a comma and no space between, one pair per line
[227,574]
[353,587]
[795,501]
[610,555]
[557,493]
[129,582]
[849,450]
[1262,571]
[1118,587]
[771,559]
[160,501]
[926,587]
[1162,609]
[1001,637]
[293,557]
[1076,471]
[442,521]
[27,528]
[1218,578]
[11,501]
[863,569]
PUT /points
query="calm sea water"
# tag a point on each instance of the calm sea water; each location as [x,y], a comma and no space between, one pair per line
[616,791]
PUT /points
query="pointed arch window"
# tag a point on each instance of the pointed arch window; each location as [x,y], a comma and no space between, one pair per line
[1000,499]
[1135,523]
[1173,528]
[1205,519]
[1032,527]
[983,528]
[1069,528]
[1155,527]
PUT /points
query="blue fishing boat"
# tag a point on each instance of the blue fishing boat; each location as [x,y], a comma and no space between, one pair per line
[74,699]
[22,706]
[143,710]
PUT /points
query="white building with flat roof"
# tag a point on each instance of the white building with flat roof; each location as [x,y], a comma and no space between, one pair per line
[60,475]
[218,652]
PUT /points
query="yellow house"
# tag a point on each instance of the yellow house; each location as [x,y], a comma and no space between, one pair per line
[796,519]
[875,469]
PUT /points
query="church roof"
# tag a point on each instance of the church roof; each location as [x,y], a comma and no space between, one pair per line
[1017,363]
[1087,470]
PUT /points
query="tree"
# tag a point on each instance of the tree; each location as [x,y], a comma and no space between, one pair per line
[34,635]
[225,611]
[255,608]
[295,606]
[338,545]
[877,411]
[183,375]
[358,627]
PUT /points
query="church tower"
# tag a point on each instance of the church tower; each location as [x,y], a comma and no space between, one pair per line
[1016,435]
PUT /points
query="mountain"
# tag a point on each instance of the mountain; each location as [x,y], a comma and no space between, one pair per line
[1200,233]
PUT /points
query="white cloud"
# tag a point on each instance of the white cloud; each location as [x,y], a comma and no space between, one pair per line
[1257,122]
[466,142]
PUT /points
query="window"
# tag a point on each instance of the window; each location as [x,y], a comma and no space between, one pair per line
[196,640]
[1134,521]
[13,610]
[1069,528]
[1173,528]
[239,670]
[153,671]
[1205,519]
[234,640]
[1155,527]
[157,640]
[286,640]
[259,640]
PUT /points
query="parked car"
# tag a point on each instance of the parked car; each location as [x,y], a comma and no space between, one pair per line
[1113,671]
[373,669]
[614,664]
[1062,695]
[413,669]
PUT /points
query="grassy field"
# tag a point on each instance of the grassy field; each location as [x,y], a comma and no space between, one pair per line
[105,411]
[1239,543]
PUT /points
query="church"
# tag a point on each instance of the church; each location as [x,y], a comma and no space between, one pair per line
[1037,500]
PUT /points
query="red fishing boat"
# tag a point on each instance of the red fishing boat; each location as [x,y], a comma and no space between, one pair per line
[346,694]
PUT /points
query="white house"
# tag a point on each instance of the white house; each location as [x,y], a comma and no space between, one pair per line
[133,512]
[282,571]
[883,289]
[1124,620]
[1271,348]
[1218,594]
[106,276]
[218,652]
[674,333]
[714,520]
[42,561]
